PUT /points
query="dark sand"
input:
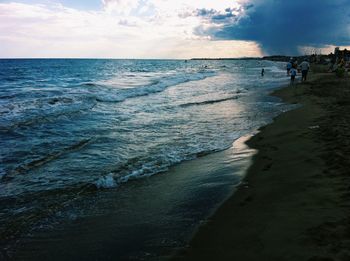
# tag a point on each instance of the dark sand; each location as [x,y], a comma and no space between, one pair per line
[295,201]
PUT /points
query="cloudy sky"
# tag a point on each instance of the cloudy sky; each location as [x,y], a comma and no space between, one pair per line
[171,28]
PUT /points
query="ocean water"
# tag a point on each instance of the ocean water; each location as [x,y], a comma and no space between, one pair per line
[84,140]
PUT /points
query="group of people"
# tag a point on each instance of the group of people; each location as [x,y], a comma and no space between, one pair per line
[340,67]
[293,68]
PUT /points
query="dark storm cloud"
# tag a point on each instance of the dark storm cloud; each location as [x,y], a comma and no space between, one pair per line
[281,26]
[226,17]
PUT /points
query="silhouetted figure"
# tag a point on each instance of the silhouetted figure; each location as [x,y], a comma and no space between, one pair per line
[289,66]
[305,66]
[263,72]
[293,74]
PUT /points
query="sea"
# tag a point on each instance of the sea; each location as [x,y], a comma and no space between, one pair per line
[107,159]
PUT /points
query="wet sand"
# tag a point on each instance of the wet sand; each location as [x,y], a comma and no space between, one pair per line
[294,202]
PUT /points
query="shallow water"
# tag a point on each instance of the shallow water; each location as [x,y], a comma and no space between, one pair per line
[147,219]
[80,131]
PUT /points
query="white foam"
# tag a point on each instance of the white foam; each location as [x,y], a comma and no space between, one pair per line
[111,94]
[106,182]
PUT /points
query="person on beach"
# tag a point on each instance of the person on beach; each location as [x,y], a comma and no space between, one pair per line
[289,66]
[262,72]
[295,65]
[293,74]
[305,66]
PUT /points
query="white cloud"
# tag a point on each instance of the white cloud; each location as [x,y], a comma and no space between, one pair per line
[120,6]
[124,29]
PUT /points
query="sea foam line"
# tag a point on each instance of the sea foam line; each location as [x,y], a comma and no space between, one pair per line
[120,95]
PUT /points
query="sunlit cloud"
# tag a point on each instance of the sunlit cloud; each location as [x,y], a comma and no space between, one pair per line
[120,29]
[120,6]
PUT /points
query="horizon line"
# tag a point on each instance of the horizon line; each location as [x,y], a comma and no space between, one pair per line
[119,58]
[100,58]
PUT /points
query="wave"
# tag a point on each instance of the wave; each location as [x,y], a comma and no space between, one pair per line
[5,97]
[38,111]
[29,110]
[277,69]
[48,158]
[114,95]
[107,181]
[11,125]
[208,102]
[130,171]
[90,84]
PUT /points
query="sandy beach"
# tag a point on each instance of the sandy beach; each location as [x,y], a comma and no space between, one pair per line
[175,130]
[294,201]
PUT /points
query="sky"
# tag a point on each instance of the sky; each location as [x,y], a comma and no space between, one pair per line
[171,28]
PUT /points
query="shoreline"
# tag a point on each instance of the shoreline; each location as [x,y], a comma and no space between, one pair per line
[292,204]
[106,237]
